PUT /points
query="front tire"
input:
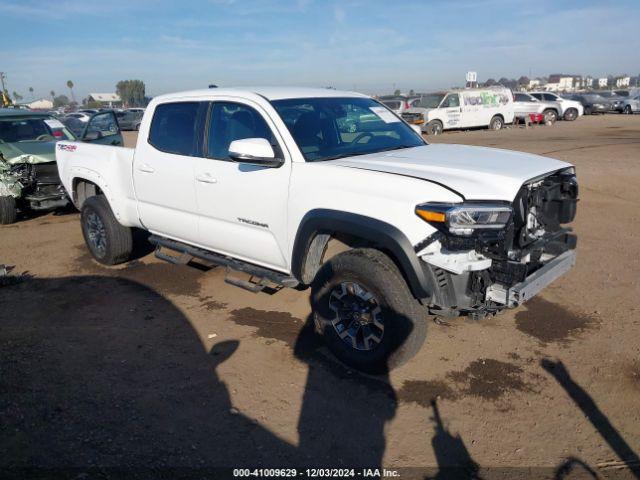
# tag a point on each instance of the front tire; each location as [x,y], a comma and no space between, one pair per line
[365,312]
[434,127]
[587,111]
[496,123]
[628,110]
[570,115]
[109,242]
[8,211]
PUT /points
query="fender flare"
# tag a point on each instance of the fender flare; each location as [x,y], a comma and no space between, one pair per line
[381,234]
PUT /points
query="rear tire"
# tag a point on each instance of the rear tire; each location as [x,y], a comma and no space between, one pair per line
[570,115]
[8,211]
[628,110]
[109,242]
[587,111]
[496,123]
[434,127]
[365,312]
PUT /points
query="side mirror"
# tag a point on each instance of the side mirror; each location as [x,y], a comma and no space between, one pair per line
[255,151]
[417,129]
[91,136]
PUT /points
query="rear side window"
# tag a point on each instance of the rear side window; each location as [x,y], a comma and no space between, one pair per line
[174,128]
[521,97]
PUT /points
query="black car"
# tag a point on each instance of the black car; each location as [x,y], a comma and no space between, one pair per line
[592,103]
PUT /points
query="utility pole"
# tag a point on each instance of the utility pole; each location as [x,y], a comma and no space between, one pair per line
[2,77]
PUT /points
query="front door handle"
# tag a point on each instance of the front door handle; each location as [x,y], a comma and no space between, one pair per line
[206,178]
[144,167]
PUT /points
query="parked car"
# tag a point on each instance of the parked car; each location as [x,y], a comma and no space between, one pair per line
[384,227]
[28,173]
[568,109]
[399,104]
[631,105]
[592,103]
[129,120]
[524,105]
[82,116]
[468,108]
[135,109]
[88,111]
[615,100]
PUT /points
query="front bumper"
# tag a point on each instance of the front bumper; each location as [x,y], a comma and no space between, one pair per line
[531,286]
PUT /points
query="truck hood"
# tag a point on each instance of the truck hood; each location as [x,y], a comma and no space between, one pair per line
[28,152]
[475,173]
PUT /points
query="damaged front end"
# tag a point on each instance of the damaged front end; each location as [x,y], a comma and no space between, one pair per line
[484,259]
[33,181]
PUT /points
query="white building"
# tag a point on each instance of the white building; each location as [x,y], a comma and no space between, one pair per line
[602,82]
[41,104]
[622,82]
[533,84]
[106,99]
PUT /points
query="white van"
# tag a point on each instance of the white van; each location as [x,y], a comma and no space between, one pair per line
[473,107]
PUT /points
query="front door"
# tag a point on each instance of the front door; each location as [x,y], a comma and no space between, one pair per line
[452,111]
[243,208]
[163,170]
[103,129]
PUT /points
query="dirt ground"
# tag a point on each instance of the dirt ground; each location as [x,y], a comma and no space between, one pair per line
[153,365]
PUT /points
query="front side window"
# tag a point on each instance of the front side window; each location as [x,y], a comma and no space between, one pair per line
[174,128]
[103,123]
[233,121]
[550,97]
[330,128]
[451,101]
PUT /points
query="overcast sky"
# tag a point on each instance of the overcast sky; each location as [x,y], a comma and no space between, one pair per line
[369,45]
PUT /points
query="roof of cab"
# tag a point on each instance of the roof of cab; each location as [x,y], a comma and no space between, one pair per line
[19,112]
[270,93]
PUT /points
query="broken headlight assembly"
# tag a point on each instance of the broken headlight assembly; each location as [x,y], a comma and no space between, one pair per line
[465,219]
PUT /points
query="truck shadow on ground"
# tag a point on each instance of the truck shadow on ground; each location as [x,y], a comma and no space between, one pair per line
[100,372]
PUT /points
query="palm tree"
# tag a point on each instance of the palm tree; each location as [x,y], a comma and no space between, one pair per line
[31,92]
[70,87]
[53,94]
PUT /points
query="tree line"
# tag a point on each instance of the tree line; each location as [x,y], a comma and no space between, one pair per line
[131,92]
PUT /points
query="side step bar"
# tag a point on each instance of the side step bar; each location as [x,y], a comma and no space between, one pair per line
[188,252]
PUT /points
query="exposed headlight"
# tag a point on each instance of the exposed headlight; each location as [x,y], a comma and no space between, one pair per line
[465,218]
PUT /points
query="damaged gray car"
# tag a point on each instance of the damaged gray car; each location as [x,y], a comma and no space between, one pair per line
[29,178]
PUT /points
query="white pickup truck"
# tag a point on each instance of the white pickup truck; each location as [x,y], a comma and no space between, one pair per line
[298,187]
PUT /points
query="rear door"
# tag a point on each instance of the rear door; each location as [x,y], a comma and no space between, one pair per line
[163,170]
[452,111]
[243,207]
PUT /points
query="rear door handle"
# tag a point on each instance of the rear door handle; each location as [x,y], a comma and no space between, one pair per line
[144,167]
[206,178]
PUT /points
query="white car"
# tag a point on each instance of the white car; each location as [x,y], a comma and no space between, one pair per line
[568,109]
[399,104]
[279,184]
[631,105]
[525,104]
[83,117]
[468,108]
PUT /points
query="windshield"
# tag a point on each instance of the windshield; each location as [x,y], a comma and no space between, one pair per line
[431,100]
[330,128]
[29,129]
